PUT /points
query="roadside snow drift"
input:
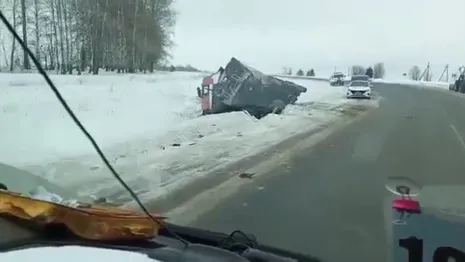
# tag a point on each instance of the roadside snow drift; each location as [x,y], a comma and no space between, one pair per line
[115,108]
[148,126]
[400,81]
[442,85]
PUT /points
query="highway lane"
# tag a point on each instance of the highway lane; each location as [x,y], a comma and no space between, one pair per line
[329,200]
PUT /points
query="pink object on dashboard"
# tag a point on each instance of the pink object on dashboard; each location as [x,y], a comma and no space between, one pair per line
[406,205]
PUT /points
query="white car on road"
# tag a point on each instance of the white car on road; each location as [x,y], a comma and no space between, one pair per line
[359,89]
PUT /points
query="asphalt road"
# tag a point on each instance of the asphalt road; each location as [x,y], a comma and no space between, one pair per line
[330,200]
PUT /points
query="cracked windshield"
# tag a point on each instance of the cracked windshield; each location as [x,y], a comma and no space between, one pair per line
[333,128]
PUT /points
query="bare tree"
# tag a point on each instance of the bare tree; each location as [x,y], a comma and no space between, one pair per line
[52,9]
[68,48]
[134,37]
[13,45]
[5,56]
[311,72]
[59,13]
[2,41]
[358,70]
[415,73]
[379,70]
[37,9]
[27,64]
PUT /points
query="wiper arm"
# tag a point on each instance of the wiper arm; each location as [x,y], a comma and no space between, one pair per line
[252,250]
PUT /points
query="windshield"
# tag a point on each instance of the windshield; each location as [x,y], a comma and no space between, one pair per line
[358,83]
[360,78]
[265,146]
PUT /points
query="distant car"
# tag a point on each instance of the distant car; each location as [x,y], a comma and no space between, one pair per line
[337,79]
[359,89]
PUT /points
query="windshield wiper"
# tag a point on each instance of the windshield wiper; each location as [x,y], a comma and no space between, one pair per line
[195,235]
[203,245]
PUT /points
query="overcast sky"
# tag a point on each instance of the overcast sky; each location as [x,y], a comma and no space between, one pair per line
[320,33]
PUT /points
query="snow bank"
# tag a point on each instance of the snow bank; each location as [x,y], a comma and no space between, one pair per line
[294,77]
[413,83]
[320,92]
[35,127]
[148,126]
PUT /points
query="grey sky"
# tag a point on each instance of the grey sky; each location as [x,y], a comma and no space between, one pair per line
[321,34]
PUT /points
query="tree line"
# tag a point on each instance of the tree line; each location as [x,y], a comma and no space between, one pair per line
[376,71]
[416,74]
[68,35]
[300,72]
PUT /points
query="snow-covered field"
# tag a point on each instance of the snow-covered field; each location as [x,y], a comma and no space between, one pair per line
[408,82]
[148,126]
[294,77]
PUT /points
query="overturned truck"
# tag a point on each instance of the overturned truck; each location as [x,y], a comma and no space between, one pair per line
[238,87]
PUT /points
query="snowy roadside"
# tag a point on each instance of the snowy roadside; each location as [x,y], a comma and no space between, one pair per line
[294,77]
[408,82]
[442,85]
[148,126]
[114,108]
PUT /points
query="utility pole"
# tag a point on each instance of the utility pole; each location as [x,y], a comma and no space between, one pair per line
[445,71]
[425,75]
